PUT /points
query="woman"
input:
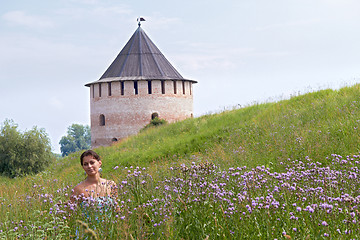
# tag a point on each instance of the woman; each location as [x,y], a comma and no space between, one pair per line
[93,187]
[95,195]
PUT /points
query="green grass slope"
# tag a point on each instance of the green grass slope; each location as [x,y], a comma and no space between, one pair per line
[315,125]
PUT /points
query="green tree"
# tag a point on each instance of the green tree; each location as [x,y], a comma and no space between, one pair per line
[78,138]
[23,153]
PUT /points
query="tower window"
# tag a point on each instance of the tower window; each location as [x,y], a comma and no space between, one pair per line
[190,87]
[93,90]
[183,86]
[102,120]
[149,87]
[136,90]
[109,88]
[175,87]
[154,115]
[99,89]
[163,87]
[122,87]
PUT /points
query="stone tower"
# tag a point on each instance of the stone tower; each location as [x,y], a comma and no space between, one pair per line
[139,85]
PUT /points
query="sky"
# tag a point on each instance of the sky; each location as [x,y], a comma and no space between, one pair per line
[241,52]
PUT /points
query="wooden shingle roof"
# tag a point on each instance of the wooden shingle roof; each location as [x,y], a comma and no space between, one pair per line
[140,59]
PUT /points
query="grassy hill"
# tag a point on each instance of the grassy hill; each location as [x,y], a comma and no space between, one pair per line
[315,125]
[311,126]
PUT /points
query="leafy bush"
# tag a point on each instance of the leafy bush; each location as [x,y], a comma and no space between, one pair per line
[155,122]
[23,153]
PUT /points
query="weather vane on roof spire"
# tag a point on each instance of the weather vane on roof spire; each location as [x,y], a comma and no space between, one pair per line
[139,20]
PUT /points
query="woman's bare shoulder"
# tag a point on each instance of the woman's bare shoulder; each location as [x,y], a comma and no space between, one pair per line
[79,188]
[78,191]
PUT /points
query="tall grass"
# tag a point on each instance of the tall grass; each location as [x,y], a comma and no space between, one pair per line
[296,137]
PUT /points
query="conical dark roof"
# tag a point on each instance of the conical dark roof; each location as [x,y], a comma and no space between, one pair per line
[140,59]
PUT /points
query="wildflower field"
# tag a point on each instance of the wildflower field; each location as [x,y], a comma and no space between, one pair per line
[285,170]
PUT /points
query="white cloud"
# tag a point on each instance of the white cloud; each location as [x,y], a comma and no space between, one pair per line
[94,11]
[200,56]
[340,10]
[86,1]
[339,2]
[160,22]
[228,59]
[197,62]
[56,103]
[23,19]
[289,24]
[112,10]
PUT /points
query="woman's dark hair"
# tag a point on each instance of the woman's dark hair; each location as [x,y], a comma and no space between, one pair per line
[89,153]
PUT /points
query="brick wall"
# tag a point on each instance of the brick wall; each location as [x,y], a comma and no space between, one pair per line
[126,114]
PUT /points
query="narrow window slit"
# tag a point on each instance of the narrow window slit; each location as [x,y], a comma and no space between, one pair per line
[136,90]
[109,88]
[122,87]
[163,87]
[149,87]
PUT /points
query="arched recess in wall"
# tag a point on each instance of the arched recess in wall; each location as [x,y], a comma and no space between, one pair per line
[154,115]
[114,140]
[102,120]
